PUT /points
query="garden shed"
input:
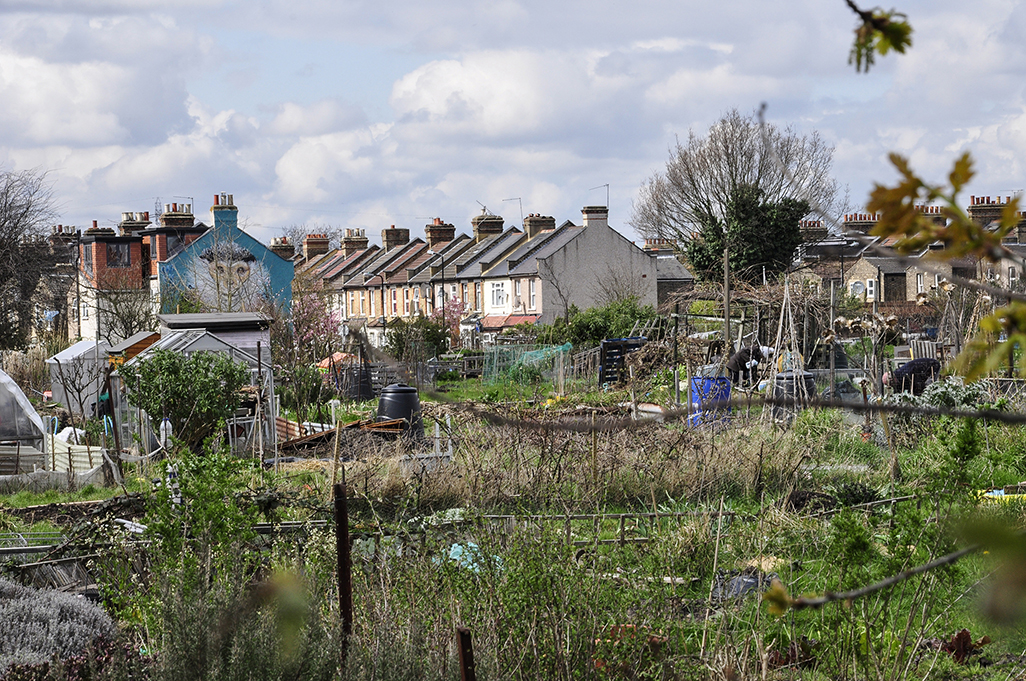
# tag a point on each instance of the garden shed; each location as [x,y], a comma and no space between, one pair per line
[252,425]
[76,375]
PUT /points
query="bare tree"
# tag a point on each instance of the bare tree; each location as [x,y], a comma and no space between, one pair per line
[124,308]
[561,286]
[26,211]
[619,282]
[704,173]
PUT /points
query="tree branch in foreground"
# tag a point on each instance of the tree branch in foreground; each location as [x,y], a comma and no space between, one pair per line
[779,601]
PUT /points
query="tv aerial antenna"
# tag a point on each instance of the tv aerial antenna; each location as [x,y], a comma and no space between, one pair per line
[606,185]
[517,199]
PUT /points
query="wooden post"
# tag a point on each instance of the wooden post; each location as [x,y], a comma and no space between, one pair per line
[830,325]
[334,467]
[345,577]
[594,451]
[728,343]
[466,646]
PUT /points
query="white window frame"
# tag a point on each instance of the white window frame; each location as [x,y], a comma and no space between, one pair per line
[870,289]
[920,284]
[532,294]
[498,294]
[1013,275]
[477,296]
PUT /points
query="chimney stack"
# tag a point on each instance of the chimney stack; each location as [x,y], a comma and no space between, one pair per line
[596,216]
[983,211]
[860,222]
[282,247]
[132,223]
[392,237]
[354,241]
[177,215]
[224,212]
[314,245]
[535,223]
[439,232]
[486,225]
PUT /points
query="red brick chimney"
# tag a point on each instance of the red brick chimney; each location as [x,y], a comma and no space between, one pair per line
[282,247]
[314,245]
[439,232]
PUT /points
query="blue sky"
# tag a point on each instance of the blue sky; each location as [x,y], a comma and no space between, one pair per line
[367,114]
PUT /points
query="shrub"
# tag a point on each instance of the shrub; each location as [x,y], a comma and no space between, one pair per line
[36,626]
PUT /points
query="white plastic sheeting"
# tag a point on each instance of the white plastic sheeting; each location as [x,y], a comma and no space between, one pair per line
[18,418]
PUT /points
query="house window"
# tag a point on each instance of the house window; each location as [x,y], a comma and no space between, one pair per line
[464,288]
[153,247]
[919,282]
[531,291]
[372,303]
[119,256]
[477,296]
[363,303]
[1013,275]
[871,289]
[499,294]
[416,298]
[85,311]
[174,245]
[406,302]
[518,300]
[395,304]
[87,258]
[453,292]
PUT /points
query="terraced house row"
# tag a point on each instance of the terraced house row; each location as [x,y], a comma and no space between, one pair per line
[493,278]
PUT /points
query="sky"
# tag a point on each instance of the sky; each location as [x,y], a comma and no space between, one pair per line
[359,113]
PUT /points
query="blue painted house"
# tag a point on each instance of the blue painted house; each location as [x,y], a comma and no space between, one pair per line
[225,270]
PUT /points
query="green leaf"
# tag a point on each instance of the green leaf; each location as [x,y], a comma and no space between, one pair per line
[778,600]
[961,173]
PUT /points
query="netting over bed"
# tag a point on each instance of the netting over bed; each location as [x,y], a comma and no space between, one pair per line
[524,363]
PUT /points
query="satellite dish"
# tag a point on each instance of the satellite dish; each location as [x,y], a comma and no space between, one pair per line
[857,288]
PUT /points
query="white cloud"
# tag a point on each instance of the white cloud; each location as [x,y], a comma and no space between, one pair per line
[129,99]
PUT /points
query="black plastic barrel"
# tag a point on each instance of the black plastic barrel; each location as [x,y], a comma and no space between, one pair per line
[401,401]
[795,385]
[354,382]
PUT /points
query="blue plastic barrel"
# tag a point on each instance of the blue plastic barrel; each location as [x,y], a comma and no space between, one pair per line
[704,393]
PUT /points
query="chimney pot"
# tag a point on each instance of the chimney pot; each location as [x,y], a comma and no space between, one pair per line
[94,224]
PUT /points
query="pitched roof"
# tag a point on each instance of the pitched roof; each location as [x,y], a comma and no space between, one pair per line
[524,261]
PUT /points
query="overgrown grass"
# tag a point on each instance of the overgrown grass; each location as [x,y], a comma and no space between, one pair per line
[547,597]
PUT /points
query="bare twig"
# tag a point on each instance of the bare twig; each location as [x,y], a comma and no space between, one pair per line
[830,597]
